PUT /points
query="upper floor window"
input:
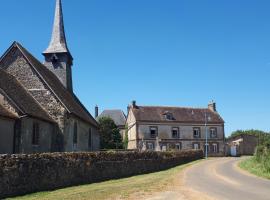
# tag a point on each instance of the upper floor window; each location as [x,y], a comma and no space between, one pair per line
[175,132]
[153,132]
[196,132]
[35,134]
[213,132]
[75,133]
[90,137]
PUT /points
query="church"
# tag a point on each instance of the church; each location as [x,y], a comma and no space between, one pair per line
[38,110]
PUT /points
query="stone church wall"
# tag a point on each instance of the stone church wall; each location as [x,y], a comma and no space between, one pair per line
[6,135]
[22,174]
[83,130]
[45,136]
[19,67]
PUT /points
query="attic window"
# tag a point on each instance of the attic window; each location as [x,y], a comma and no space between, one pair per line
[168,116]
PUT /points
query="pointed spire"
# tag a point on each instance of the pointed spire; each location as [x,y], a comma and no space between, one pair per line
[58,42]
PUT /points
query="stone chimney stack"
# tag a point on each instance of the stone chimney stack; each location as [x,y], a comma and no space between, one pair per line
[212,106]
[133,104]
[96,111]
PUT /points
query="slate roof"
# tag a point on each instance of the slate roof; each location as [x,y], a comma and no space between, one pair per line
[117,116]
[179,114]
[69,100]
[6,113]
[22,99]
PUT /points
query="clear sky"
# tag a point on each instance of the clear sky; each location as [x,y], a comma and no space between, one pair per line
[158,52]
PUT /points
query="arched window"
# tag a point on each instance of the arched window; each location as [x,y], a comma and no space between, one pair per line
[90,138]
[35,134]
[75,133]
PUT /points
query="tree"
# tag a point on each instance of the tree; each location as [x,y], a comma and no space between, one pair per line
[110,137]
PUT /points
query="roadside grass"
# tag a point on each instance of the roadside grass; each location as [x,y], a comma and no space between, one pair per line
[115,189]
[254,167]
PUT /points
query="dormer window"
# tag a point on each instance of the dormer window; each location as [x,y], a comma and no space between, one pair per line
[168,116]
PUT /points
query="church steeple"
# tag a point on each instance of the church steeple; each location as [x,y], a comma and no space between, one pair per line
[57,56]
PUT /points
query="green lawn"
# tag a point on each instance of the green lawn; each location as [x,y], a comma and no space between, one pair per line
[121,188]
[252,166]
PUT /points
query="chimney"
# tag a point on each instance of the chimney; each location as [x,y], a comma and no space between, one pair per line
[96,111]
[212,106]
[133,104]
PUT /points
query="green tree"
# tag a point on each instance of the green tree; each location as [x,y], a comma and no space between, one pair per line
[110,137]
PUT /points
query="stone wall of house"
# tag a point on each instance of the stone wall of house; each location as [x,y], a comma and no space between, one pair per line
[132,131]
[46,130]
[21,174]
[6,135]
[185,140]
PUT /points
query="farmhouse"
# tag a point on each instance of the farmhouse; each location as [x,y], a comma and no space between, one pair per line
[175,128]
[38,110]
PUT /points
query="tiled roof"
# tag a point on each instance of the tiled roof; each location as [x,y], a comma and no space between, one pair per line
[69,100]
[22,99]
[117,116]
[179,114]
[6,113]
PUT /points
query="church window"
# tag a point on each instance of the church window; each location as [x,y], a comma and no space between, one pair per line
[90,138]
[35,134]
[75,133]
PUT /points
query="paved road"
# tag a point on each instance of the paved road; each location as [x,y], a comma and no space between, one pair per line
[221,179]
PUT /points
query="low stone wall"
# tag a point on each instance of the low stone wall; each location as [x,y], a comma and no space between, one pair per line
[22,174]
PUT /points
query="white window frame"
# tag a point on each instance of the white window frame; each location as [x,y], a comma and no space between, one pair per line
[156,131]
[213,130]
[198,132]
[178,146]
[178,132]
[150,146]
[215,147]
[196,146]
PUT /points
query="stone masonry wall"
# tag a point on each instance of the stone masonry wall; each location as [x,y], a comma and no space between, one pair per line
[22,174]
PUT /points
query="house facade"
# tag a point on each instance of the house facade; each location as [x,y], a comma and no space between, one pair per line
[175,128]
[39,111]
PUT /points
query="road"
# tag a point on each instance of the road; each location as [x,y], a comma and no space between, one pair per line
[222,179]
[217,179]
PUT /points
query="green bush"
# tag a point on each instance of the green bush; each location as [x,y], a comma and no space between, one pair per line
[262,156]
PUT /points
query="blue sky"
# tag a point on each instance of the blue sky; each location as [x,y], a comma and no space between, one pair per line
[158,52]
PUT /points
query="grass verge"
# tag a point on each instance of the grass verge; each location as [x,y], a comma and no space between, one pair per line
[254,167]
[115,189]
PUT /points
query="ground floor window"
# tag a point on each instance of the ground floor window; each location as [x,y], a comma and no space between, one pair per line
[196,146]
[215,147]
[150,146]
[178,146]
[35,134]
